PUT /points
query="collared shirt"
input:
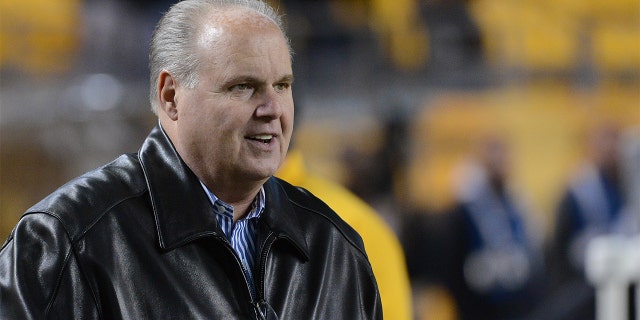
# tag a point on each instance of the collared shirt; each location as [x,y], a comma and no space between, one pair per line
[241,234]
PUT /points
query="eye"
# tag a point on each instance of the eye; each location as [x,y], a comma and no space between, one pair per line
[282,86]
[241,87]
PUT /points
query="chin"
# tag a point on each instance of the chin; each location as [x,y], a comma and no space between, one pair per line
[262,173]
[259,169]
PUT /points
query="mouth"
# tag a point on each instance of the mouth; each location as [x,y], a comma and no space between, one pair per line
[264,138]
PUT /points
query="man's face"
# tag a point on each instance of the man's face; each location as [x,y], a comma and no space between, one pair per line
[236,124]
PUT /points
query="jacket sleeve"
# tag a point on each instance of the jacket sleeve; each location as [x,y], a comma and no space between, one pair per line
[39,277]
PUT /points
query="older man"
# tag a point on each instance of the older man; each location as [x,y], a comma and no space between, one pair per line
[194,226]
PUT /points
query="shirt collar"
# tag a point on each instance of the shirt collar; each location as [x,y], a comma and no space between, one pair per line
[256,207]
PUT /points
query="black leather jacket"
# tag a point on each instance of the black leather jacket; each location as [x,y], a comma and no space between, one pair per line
[137,239]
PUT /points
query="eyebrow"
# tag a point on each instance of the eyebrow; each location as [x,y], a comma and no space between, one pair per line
[249,78]
[287,78]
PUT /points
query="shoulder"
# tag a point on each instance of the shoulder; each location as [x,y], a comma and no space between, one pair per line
[84,200]
[303,200]
[355,211]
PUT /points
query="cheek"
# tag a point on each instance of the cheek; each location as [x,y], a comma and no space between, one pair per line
[288,117]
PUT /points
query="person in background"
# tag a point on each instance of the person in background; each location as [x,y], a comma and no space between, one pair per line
[498,270]
[383,247]
[593,204]
[194,225]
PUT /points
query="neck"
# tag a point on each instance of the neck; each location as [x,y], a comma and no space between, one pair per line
[232,189]
[241,200]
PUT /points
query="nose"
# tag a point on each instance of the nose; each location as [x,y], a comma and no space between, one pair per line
[270,105]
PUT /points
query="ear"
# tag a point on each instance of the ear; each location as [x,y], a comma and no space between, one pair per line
[167,94]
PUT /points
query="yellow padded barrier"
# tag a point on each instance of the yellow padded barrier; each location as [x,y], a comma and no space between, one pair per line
[558,35]
[528,35]
[616,47]
[39,36]
[401,32]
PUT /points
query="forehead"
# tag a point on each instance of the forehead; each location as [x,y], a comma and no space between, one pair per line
[225,25]
[241,38]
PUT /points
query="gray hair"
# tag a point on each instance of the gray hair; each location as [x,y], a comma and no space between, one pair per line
[172,44]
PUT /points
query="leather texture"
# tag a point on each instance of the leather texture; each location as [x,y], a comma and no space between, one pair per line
[137,239]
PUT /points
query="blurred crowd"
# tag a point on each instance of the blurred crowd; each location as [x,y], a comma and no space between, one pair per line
[496,138]
[491,256]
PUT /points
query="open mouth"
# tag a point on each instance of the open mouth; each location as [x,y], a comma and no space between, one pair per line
[264,138]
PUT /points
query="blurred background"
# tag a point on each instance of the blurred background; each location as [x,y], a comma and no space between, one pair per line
[419,107]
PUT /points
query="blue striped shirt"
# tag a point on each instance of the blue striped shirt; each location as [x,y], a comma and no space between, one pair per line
[241,234]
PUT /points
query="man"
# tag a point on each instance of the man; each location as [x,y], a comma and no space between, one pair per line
[194,226]
[496,270]
[593,204]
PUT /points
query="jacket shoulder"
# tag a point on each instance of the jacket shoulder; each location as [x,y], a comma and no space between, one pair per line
[81,202]
[302,198]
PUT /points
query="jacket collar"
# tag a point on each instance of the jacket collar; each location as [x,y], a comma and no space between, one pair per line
[281,218]
[181,208]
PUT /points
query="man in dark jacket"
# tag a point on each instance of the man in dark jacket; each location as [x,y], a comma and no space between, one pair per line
[194,226]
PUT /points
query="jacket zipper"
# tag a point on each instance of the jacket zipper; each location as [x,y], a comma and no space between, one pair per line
[259,281]
[257,301]
[239,262]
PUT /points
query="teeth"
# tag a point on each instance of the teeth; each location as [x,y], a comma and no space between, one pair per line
[262,137]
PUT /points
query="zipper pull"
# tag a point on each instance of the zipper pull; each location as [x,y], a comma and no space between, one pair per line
[265,311]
